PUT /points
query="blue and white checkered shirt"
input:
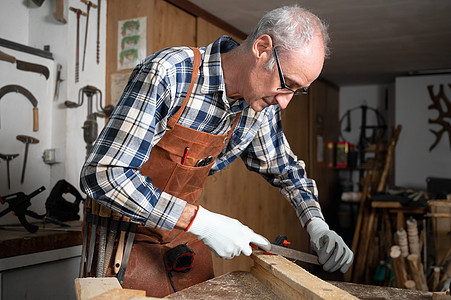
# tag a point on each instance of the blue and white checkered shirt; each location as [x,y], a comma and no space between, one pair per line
[154,93]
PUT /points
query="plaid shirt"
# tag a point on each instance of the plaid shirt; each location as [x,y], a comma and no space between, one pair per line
[155,92]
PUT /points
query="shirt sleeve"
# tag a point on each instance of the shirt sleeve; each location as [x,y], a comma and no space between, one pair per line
[269,154]
[111,173]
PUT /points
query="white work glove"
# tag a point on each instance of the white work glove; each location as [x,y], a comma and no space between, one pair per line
[332,251]
[225,236]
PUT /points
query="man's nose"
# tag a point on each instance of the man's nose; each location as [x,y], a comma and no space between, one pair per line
[283,100]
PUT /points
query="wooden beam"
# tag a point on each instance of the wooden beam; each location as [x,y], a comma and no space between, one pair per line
[290,281]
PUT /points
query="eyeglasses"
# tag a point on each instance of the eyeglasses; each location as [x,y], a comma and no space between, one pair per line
[284,89]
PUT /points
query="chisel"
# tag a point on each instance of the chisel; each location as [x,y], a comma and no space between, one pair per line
[92,240]
[111,238]
[88,220]
[128,249]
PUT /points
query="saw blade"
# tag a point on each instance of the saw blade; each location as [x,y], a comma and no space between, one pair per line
[294,254]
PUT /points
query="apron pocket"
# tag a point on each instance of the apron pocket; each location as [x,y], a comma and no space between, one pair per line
[186,180]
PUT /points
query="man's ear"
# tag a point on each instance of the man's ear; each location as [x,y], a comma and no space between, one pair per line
[262,46]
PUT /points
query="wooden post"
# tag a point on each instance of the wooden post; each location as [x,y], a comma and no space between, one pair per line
[416,269]
[412,234]
[399,266]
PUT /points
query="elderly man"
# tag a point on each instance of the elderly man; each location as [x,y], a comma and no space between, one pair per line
[188,113]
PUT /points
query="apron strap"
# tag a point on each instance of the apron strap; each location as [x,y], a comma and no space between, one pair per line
[196,64]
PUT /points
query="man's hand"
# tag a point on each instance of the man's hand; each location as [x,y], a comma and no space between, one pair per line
[332,251]
[225,236]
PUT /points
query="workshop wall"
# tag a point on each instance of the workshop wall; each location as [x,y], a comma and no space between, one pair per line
[60,127]
[414,158]
[408,106]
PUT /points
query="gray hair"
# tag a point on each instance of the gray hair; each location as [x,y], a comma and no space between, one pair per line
[290,27]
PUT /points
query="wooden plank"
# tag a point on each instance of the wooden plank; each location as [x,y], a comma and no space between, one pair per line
[289,281]
[120,294]
[87,288]
[107,288]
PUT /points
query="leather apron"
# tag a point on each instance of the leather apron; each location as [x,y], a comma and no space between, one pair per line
[146,267]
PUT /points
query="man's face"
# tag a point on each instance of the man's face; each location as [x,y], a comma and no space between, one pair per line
[299,68]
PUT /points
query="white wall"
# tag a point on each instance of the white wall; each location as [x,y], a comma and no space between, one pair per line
[25,23]
[373,96]
[414,162]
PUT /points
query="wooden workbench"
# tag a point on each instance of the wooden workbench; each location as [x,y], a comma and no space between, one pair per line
[272,277]
[16,240]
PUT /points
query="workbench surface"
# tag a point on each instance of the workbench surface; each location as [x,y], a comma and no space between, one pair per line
[16,240]
[244,286]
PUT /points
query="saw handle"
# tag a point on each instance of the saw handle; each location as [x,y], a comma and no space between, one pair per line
[35,119]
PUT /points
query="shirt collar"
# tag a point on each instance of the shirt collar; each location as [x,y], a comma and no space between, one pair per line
[211,65]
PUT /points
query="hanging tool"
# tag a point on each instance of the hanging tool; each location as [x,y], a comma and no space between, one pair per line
[89,5]
[8,157]
[26,140]
[124,225]
[90,125]
[59,13]
[104,214]
[58,82]
[128,249]
[77,53]
[25,66]
[21,90]
[92,241]
[115,220]
[98,33]
[18,204]
[87,221]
